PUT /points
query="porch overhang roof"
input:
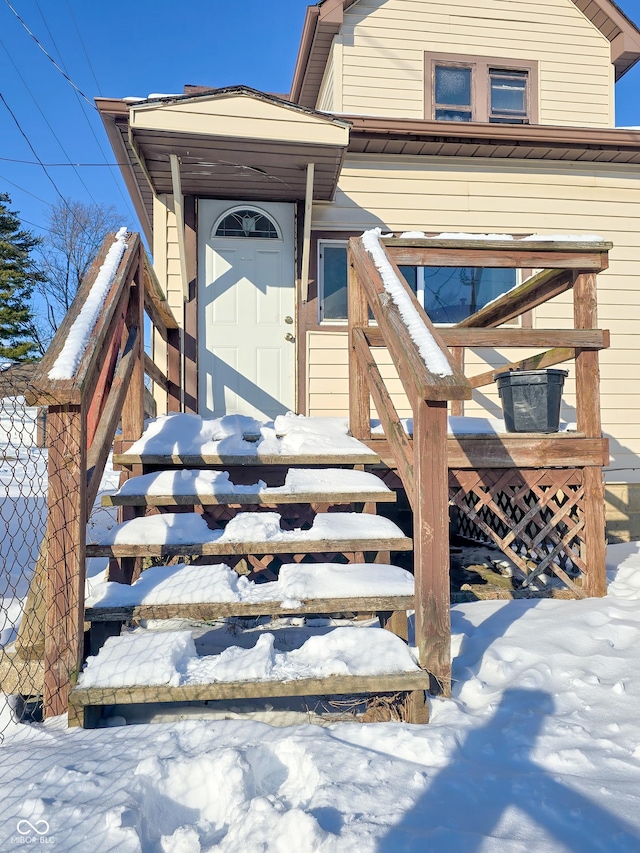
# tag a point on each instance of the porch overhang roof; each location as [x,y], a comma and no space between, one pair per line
[234,143]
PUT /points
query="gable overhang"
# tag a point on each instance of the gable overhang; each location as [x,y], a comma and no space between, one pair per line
[234,143]
[323,21]
[391,136]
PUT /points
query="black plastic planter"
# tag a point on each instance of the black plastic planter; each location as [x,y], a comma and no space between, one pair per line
[531,399]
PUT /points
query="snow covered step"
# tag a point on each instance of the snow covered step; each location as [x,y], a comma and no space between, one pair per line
[187,534]
[302,485]
[212,592]
[181,439]
[157,666]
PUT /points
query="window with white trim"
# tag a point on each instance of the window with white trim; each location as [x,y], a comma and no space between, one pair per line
[448,294]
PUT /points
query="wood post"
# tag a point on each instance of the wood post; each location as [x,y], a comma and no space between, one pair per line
[585,314]
[359,401]
[66,532]
[173,370]
[457,406]
[431,543]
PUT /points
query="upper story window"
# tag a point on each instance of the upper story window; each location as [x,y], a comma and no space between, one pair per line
[480,88]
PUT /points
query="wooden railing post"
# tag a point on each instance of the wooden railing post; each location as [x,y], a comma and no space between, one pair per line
[133,406]
[457,406]
[588,418]
[66,537]
[431,543]
[359,400]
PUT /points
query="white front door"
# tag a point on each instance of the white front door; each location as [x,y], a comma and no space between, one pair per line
[246,308]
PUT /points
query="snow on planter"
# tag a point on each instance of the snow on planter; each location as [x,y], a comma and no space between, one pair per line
[66,364]
[149,658]
[433,357]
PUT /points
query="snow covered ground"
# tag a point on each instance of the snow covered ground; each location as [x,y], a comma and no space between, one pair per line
[539,750]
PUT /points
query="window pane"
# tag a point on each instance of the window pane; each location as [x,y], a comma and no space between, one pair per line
[334,283]
[453,293]
[453,115]
[411,276]
[247,223]
[509,92]
[453,86]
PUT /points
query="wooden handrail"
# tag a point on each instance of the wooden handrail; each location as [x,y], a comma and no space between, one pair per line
[84,412]
[72,390]
[420,383]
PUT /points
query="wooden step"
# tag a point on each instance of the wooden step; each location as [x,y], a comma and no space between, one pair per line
[164,666]
[156,594]
[187,534]
[364,456]
[86,704]
[191,441]
[206,487]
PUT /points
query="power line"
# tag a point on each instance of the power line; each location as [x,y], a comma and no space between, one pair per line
[28,192]
[57,165]
[55,135]
[77,92]
[28,141]
[81,40]
[50,58]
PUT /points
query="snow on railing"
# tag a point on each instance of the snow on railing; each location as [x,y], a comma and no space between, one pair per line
[71,353]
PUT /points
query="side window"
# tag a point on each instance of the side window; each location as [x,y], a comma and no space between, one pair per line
[448,294]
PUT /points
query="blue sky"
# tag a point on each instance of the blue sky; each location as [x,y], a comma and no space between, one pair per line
[135,47]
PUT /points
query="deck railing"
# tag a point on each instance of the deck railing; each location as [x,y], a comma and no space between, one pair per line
[424,461]
[106,390]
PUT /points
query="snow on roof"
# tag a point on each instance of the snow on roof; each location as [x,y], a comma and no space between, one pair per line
[66,364]
[434,359]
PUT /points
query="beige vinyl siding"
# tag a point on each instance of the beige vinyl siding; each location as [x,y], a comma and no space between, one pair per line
[166,263]
[383,44]
[446,194]
[328,380]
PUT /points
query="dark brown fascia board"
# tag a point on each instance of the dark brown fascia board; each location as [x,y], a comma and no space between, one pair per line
[533,134]
[625,41]
[110,110]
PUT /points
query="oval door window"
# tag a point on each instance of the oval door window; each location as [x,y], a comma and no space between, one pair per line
[247,223]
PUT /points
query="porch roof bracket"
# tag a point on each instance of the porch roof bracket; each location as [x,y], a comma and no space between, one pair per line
[178,209]
[306,234]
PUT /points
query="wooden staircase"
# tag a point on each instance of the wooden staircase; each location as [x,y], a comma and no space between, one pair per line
[267,516]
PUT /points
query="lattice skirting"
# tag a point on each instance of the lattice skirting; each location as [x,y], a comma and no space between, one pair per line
[535,517]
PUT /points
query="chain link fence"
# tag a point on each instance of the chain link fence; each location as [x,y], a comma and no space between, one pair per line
[23,520]
[23,515]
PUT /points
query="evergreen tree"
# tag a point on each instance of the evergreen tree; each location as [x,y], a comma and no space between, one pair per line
[18,277]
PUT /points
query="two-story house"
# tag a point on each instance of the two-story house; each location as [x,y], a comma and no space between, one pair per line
[410,115]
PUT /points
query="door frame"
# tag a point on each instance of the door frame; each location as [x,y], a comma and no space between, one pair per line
[210,213]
